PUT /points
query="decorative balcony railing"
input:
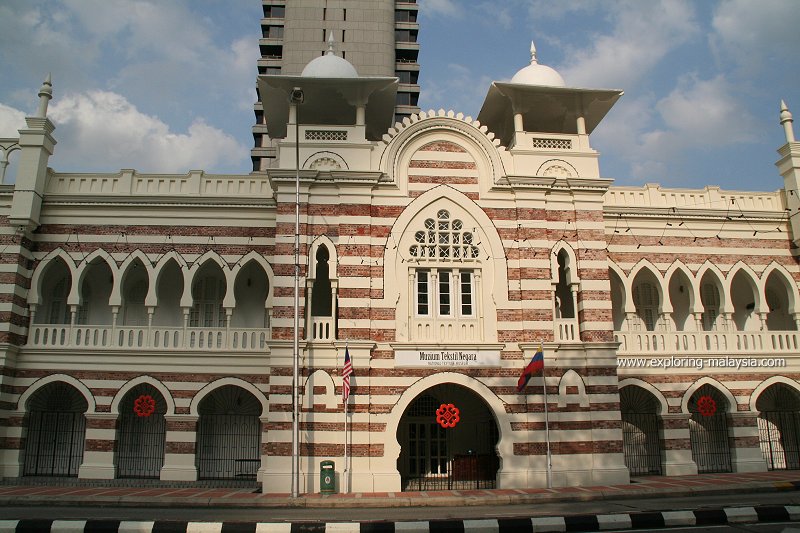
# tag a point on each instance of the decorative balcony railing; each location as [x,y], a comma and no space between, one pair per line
[461,330]
[322,328]
[712,342]
[566,330]
[156,338]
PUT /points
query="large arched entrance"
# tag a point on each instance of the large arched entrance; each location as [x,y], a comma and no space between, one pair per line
[708,430]
[229,435]
[779,427]
[448,438]
[641,430]
[141,433]
[56,424]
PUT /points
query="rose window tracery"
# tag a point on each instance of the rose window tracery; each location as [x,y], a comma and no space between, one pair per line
[444,239]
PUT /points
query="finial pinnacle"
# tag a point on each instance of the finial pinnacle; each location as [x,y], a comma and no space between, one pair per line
[45,94]
[533,53]
[330,43]
[786,121]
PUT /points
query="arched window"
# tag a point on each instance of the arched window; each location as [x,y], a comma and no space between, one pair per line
[321,298]
[645,298]
[208,293]
[564,304]
[444,283]
[709,296]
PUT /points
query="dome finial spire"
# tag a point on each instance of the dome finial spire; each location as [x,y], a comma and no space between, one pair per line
[533,53]
[786,122]
[45,94]
[330,43]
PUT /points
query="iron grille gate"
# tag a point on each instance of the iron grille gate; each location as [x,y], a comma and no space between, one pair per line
[432,465]
[779,435]
[641,443]
[140,448]
[228,446]
[711,450]
[54,445]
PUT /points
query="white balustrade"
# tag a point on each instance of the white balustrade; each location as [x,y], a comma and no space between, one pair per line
[158,338]
[461,330]
[696,342]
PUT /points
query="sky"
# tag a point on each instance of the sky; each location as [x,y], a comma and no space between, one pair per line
[166,86]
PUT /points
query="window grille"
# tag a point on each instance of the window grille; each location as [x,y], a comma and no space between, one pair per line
[552,144]
[326,135]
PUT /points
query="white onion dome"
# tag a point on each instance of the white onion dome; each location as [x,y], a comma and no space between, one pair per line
[536,74]
[329,66]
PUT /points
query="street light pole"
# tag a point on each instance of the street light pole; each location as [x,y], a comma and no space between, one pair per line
[296,99]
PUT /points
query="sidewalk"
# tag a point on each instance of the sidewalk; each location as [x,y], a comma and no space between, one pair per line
[71,492]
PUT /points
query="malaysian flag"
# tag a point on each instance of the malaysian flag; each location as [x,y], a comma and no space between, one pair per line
[347,371]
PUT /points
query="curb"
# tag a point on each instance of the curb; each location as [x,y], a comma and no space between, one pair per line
[575,523]
[343,501]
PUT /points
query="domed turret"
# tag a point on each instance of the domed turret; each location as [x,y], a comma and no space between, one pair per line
[536,74]
[329,66]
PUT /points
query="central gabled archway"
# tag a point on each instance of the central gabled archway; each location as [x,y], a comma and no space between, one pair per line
[469,454]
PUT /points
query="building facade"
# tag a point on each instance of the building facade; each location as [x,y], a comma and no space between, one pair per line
[148,319]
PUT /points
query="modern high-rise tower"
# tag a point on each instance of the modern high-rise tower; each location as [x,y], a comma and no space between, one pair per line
[379,37]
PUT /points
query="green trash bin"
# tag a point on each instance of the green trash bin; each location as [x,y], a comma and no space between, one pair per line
[327,477]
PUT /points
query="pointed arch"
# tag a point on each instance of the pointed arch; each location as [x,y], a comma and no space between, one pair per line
[22,402]
[745,313]
[35,294]
[657,394]
[212,257]
[333,261]
[491,292]
[222,382]
[680,284]
[494,403]
[779,270]
[650,314]
[159,267]
[253,256]
[723,390]
[150,380]
[767,383]
[124,269]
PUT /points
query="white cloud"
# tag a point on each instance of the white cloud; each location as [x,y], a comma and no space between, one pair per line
[705,112]
[654,134]
[11,121]
[641,35]
[103,131]
[441,7]
[750,32]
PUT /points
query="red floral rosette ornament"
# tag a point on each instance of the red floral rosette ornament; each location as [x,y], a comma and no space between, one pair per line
[448,415]
[144,405]
[706,405]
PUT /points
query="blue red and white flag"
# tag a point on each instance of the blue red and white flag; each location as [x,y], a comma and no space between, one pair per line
[536,364]
[347,371]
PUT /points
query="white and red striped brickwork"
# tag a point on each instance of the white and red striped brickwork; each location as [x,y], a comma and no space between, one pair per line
[185,284]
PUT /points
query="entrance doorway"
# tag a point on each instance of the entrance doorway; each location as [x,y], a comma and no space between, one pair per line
[458,453]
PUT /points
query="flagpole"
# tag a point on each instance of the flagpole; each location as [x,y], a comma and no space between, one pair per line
[547,429]
[346,470]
